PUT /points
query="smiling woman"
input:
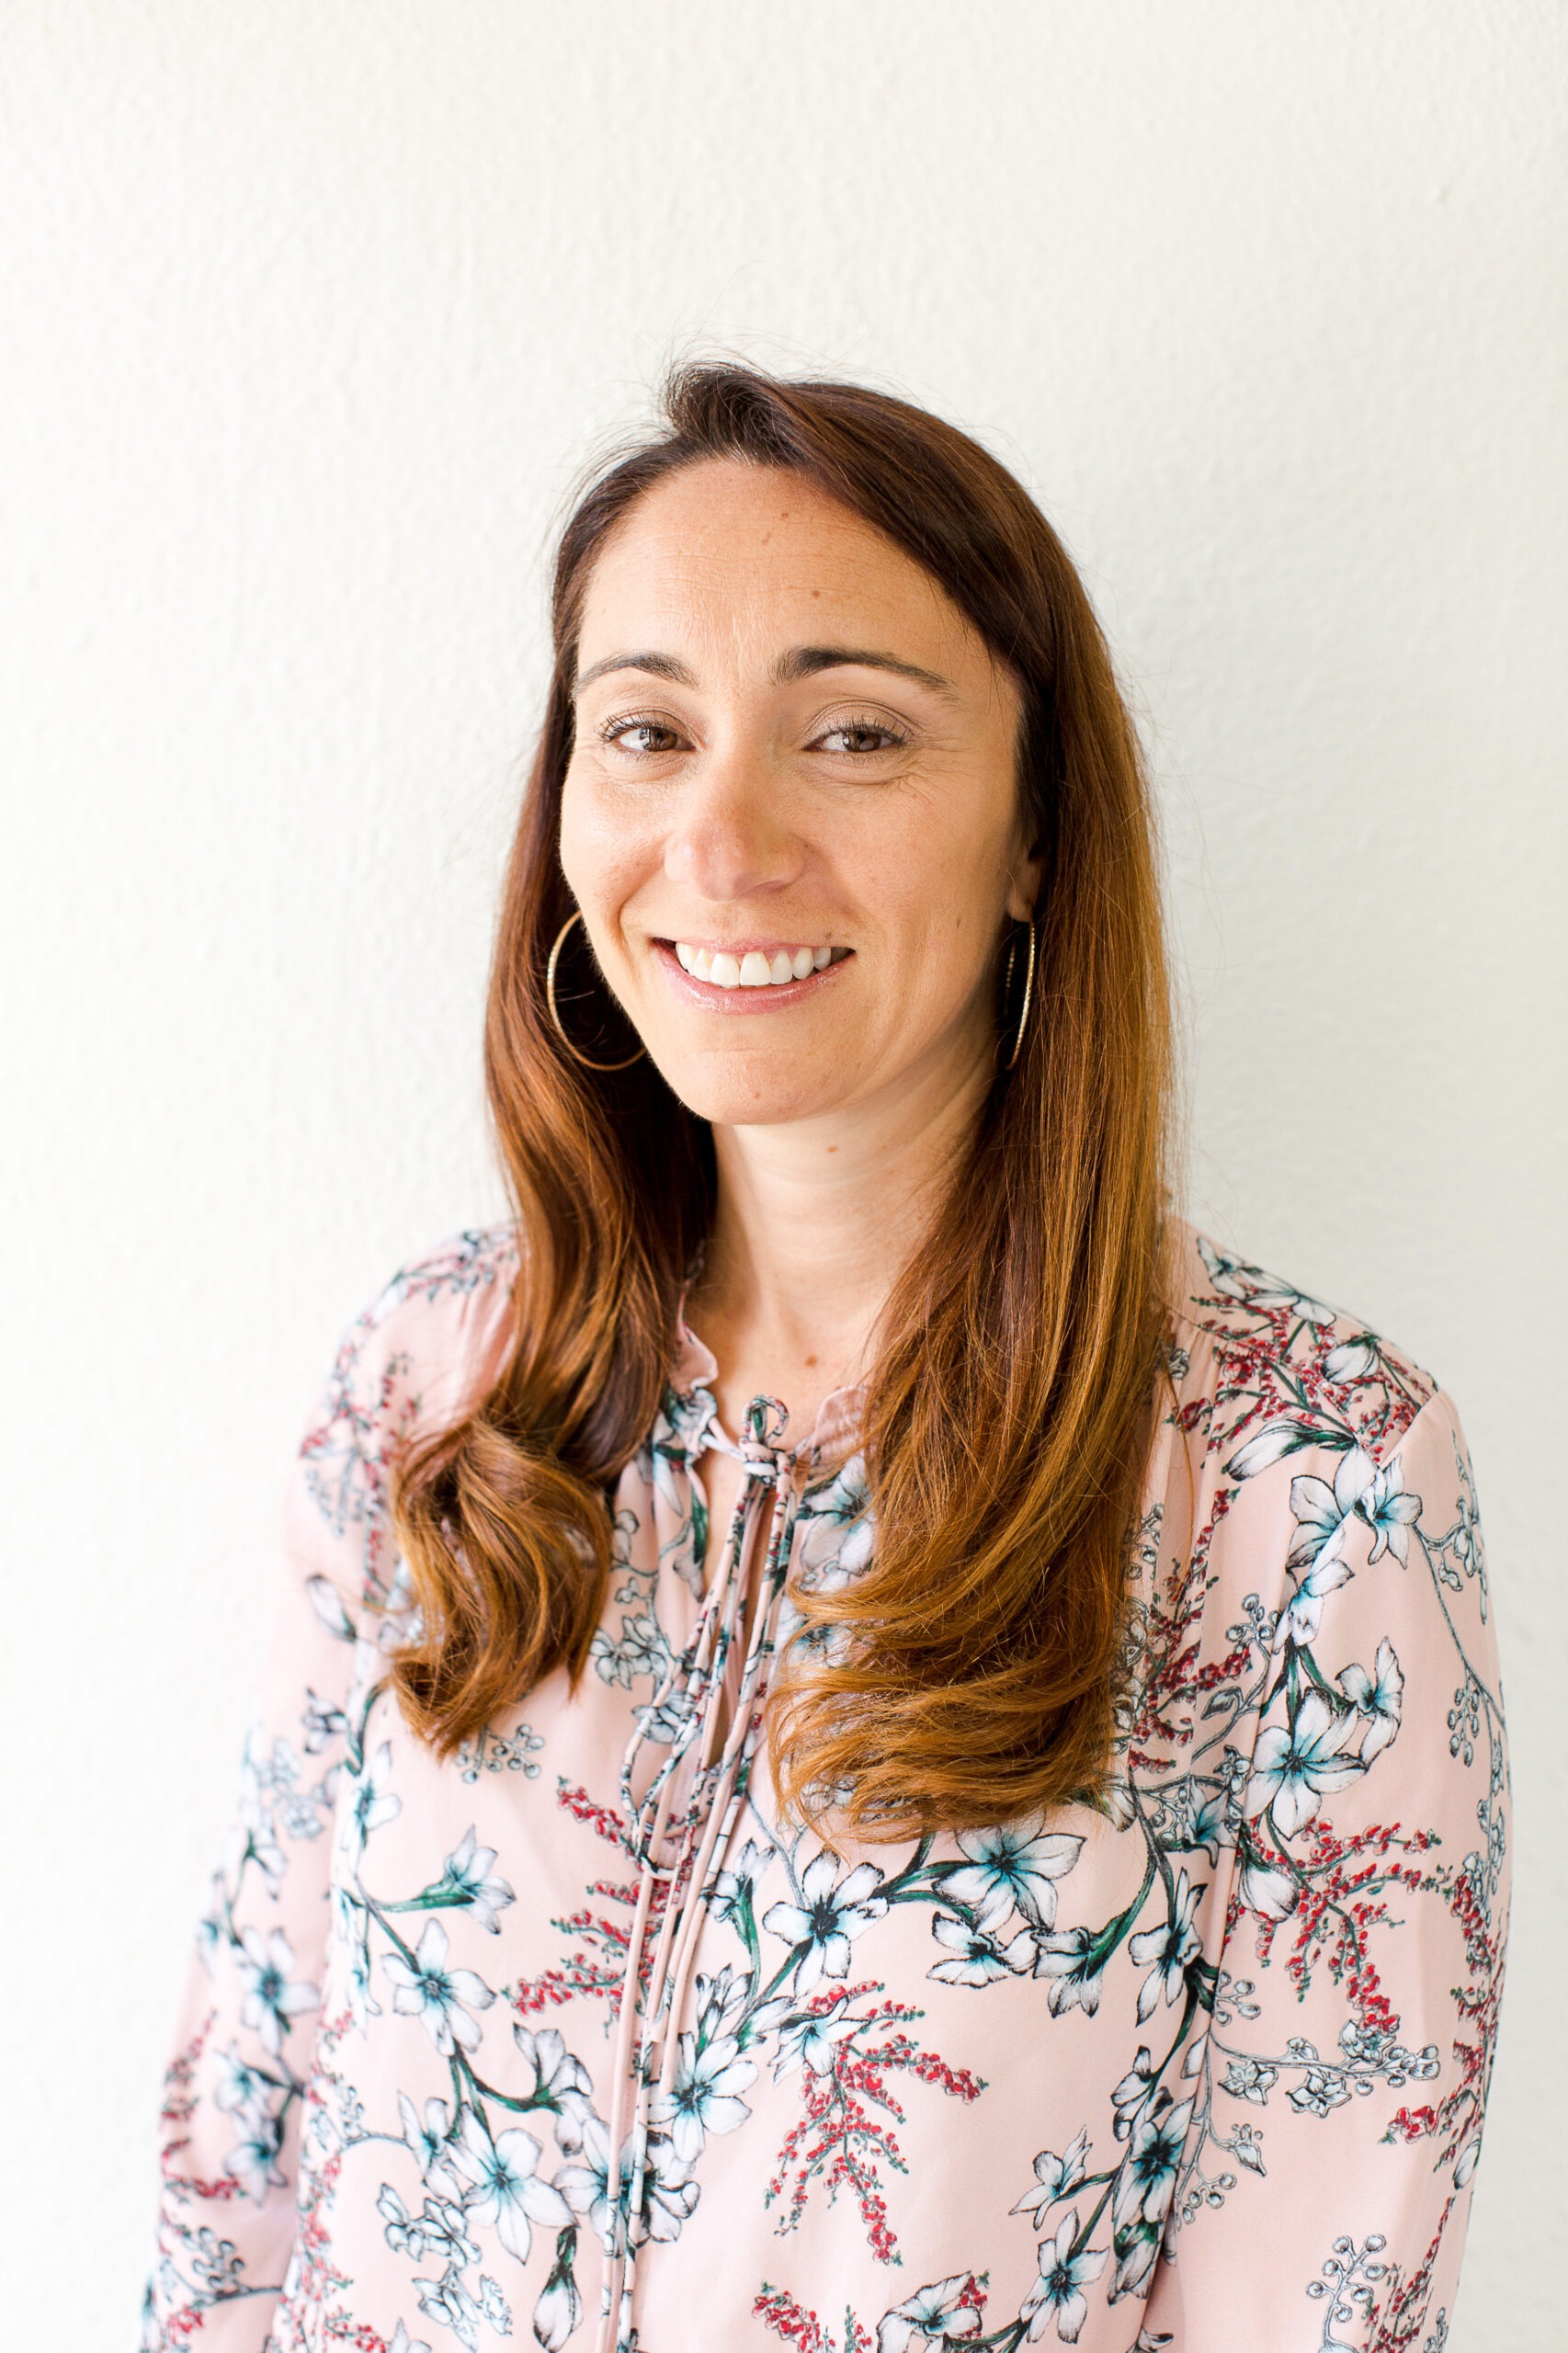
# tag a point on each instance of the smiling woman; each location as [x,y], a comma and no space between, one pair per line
[1001,1731]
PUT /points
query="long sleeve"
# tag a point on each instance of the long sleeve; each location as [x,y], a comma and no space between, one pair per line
[237,2076]
[1338,2099]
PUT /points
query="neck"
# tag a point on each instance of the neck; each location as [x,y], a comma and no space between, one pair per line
[814,1222]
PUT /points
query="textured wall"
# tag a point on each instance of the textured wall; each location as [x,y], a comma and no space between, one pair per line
[311,311]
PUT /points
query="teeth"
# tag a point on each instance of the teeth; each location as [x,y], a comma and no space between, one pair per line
[753,969]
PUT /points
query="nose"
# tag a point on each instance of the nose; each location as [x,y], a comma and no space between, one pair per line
[730,838]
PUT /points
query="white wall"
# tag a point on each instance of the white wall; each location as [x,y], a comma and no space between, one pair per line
[310,312]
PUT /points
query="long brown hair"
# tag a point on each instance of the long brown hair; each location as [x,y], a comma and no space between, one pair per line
[1008,1415]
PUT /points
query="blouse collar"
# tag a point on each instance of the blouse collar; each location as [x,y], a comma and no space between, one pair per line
[832,1436]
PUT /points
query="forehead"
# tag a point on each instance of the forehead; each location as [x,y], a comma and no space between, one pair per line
[729,557]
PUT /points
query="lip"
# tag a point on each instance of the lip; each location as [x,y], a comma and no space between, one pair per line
[775,998]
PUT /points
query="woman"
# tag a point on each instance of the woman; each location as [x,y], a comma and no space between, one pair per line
[864,1736]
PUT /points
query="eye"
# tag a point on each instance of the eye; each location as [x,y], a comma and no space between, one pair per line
[640,736]
[859,736]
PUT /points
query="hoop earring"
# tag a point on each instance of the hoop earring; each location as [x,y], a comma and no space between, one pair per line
[1028,991]
[576,1054]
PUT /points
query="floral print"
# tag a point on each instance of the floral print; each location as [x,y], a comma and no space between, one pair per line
[570,2040]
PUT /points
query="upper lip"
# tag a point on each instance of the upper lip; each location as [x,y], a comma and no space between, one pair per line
[787,940]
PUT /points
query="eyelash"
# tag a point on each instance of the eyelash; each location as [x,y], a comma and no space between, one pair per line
[862,723]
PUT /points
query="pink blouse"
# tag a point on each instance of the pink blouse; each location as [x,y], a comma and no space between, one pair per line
[572,2040]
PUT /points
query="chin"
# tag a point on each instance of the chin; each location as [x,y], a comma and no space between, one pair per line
[752,1090]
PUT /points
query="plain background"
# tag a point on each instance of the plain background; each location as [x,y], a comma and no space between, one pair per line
[310,314]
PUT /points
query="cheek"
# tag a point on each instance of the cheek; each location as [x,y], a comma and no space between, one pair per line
[604,853]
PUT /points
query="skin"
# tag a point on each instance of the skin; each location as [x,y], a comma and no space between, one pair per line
[730,791]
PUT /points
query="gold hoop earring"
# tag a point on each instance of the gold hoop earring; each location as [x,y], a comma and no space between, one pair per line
[1028,991]
[576,1051]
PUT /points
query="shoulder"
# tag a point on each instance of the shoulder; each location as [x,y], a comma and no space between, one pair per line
[450,1296]
[1264,1369]
[431,1339]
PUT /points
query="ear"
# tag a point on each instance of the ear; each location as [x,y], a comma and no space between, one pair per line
[1023,885]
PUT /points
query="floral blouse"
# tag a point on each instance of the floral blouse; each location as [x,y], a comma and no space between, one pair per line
[570,2040]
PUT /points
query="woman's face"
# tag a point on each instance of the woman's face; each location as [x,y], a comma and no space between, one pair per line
[791,817]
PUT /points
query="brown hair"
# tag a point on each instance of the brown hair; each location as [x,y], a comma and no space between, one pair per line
[1009,1416]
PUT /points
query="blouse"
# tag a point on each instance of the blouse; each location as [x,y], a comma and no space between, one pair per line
[570,2039]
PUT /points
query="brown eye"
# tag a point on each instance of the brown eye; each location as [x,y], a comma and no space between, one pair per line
[642,735]
[859,736]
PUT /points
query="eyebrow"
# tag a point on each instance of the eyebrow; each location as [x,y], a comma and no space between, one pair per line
[800,662]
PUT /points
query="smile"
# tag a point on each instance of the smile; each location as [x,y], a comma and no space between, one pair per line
[754,968]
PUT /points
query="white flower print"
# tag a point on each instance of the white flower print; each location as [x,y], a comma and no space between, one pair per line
[977,1958]
[1320,2089]
[812,2039]
[1251,2079]
[1324,1517]
[507,2190]
[1154,2154]
[1055,2178]
[372,1804]
[669,2194]
[1378,1696]
[472,1882]
[1266,1889]
[703,2097]
[835,1910]
[722,2001]
[1233,1278]
[560,2082]
[938,2314]
[1134,2092]
[430,2139]
[351,1930]
[272,1999]
[252,2160]
[558,2310]
[1323,1514]
[733,1888]
[428,1989]
[238,2085]
[1058,2295]
[1170,1947]
[1012,1867]
[1074,1962]
[584,2183]
[1352,1360]
[1296,1765]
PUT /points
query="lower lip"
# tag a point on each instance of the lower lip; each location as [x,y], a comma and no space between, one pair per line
[774,998]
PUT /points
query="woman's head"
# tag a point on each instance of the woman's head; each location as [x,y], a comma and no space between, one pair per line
[710,763]
[791,746]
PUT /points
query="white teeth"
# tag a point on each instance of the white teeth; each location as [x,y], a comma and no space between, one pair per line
[753,969]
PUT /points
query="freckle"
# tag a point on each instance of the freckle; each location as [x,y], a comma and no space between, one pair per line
[811,1363]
